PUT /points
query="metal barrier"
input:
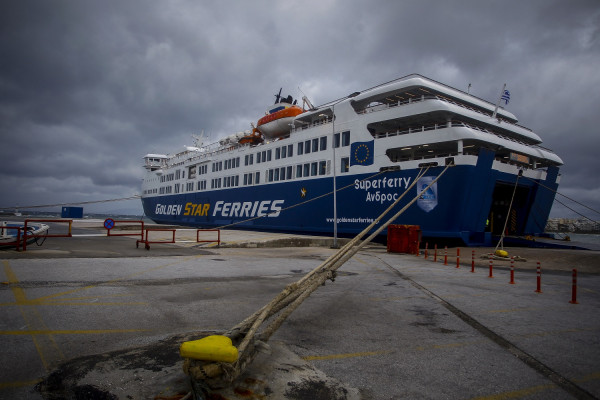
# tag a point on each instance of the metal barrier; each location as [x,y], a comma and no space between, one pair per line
[27,235]
[109,224]
[17,243]
[218,241]
[147,241]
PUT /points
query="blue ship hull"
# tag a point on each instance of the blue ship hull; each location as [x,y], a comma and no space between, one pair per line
[469,203]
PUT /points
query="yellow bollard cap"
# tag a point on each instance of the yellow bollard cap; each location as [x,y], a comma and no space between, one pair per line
[501,253]
[210,348]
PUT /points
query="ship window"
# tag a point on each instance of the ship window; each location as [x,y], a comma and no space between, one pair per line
[299,171]
[278,153]
[276,178]
[307,147]
[315,145]
[270,177]
[345,138]
[258,158]
[300,148]
[257,178]
[322,167]
[268,155]
[237,162]
[282,173]
[284,152]
[313,169]
[306,170]
[323,144]
[177,175]
[290,170]
[345,165]
[336,140]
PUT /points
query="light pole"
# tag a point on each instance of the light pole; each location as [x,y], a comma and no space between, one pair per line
[335,238]
[335,241]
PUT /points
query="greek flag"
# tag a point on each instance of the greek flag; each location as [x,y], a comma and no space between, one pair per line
[506,97]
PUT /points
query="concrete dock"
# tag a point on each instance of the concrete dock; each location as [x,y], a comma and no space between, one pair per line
[95,317]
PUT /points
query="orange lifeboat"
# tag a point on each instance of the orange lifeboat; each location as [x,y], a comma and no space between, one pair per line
[278,119]
[253,138]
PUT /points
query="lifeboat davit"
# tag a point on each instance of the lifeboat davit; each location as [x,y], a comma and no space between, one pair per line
[276,122]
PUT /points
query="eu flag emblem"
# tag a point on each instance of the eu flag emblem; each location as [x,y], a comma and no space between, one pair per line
[361,153]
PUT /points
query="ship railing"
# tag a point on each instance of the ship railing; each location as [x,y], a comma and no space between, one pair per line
[454,123]
[209,151]
[385,106]
[398,132]
[307,125]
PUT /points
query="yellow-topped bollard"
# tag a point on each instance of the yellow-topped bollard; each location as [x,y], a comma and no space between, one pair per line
[501,253]
[210,348]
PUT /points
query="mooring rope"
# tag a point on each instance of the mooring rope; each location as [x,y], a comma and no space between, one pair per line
[501,241]
[290,298]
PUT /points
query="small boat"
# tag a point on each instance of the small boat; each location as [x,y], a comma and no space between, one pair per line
[10,230]
[253,138]
[277,121]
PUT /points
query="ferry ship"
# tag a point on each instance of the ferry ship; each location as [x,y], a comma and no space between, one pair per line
[369,147]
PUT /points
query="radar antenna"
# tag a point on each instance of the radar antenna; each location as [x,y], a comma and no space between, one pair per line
[278,96]
[199,139]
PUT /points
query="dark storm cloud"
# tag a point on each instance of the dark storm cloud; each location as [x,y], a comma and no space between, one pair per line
[87,88]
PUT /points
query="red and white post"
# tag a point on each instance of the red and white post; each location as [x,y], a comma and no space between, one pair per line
[574,288]
[445,255]
[539,278]
[491,275]
[458,257]
[512,271]
[473,261]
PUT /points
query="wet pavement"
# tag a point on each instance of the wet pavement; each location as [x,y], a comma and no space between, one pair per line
[97,317]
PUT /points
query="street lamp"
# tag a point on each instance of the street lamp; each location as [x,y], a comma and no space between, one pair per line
[335,238]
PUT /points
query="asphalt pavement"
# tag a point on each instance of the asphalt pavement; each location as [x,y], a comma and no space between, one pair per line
[99,317]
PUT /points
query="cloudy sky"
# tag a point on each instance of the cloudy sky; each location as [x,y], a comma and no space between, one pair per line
[87,88]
